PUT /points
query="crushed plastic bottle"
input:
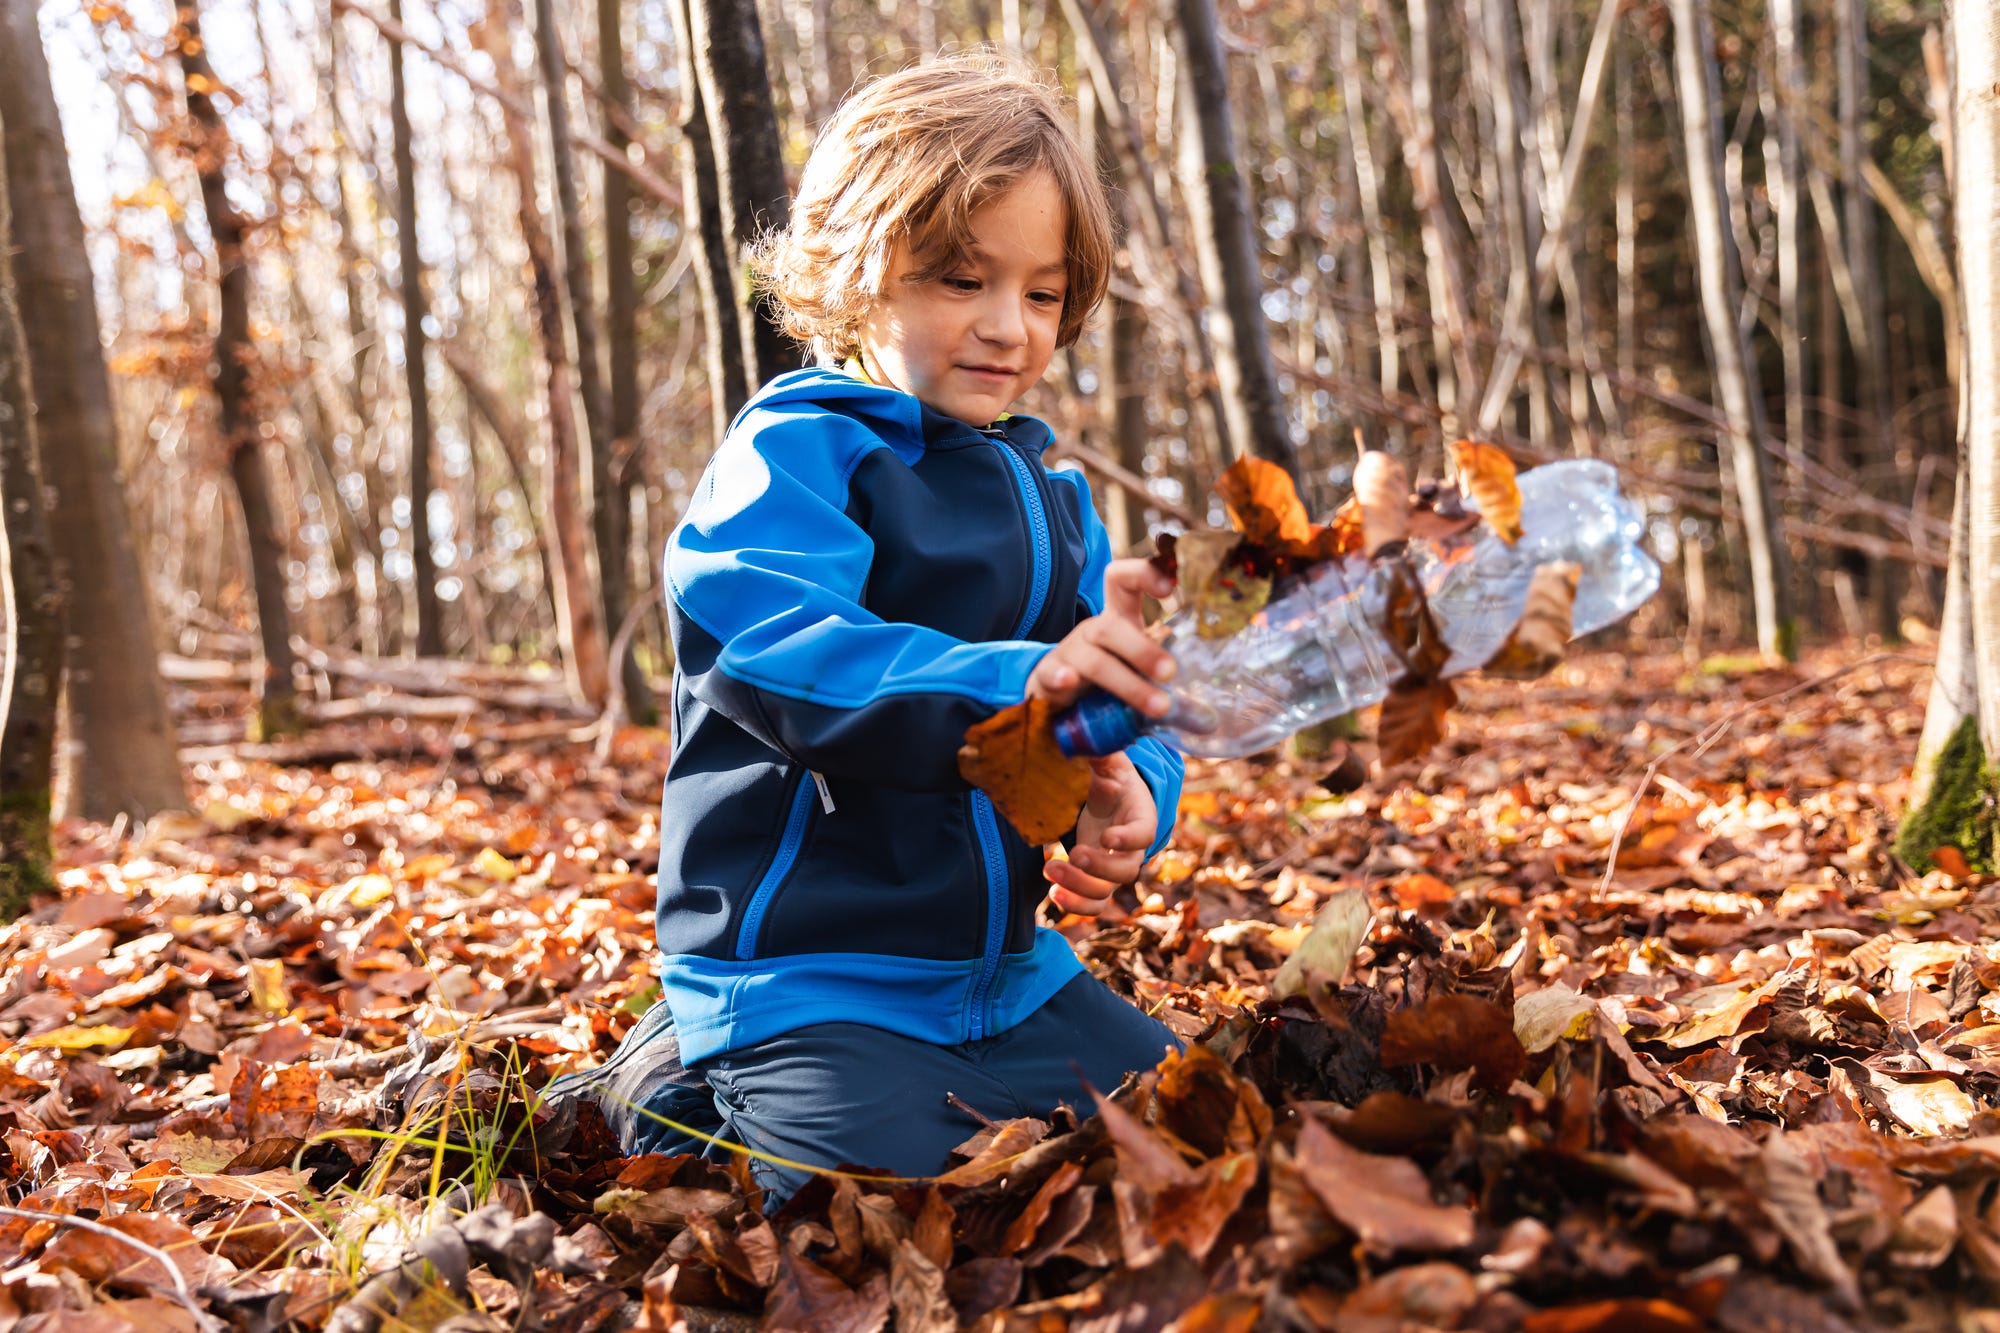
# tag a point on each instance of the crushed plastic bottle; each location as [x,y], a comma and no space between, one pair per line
[1315,652]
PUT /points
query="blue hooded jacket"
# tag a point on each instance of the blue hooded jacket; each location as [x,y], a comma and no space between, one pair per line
[857,580]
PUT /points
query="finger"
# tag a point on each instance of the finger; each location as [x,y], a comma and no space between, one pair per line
[1127,583]
[1114,676]
[1055,679]
[1103,863]
[1076,904]
[1073,885]
[1135,836]
[1130,644]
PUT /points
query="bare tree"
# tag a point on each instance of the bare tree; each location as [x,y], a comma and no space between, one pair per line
[430,633]
[1976,143]
[618,467]
[1721,298]
[1225,245]
[579,623]
[726,43]
[235,357]
[119,756]
[728,387]
[30,619]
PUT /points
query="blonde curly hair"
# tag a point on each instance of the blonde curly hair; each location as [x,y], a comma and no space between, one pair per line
[909,158]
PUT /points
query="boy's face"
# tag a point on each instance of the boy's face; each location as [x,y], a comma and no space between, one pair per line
[974,339]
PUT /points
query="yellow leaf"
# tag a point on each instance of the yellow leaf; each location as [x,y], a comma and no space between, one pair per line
[1223,596]
[1542,634]
[367,890]
[1382,490]
[72,1039]
[1486,474]
[267,986]
[1550,1014]
[1326,952]
[494,866]
[153,194]
[200,83]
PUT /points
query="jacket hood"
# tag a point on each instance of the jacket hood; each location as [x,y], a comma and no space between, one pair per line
[901,417]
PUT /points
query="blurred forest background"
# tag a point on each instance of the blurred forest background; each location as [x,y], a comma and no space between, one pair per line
[420,317]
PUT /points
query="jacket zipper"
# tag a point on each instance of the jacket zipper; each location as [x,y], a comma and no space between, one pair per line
[781,865]
[998,890]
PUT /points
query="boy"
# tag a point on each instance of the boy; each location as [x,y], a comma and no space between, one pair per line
[875,560]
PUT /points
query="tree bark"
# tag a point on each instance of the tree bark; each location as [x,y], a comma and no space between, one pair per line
[1721,298]
[618,469]
[119,755]
[1225,244]
[722,345]
[579,624]
[430,634]
[727,43]
[1976,142]
[235,356]
[31,647]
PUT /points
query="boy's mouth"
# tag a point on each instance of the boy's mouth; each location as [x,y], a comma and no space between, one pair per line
[997,372]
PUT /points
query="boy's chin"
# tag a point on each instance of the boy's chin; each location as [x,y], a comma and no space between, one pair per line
[977,411]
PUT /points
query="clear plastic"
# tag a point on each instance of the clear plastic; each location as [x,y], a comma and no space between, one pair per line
[1315,651]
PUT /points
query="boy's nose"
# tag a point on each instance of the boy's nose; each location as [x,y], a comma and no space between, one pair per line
[1003,324]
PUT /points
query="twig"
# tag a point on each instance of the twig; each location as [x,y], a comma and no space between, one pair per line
[1714,732]
[182,1296]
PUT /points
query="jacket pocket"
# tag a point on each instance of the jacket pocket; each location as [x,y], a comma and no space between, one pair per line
[791,841]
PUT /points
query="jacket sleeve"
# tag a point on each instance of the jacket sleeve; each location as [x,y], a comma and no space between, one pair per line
[765,575]
[1158,763]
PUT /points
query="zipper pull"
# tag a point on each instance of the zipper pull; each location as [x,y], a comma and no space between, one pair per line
[825,795]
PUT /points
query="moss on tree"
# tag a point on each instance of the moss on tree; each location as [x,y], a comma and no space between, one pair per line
[24,850]
[1961,809]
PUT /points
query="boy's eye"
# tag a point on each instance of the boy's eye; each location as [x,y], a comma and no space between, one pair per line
[1047,298]
[962,284]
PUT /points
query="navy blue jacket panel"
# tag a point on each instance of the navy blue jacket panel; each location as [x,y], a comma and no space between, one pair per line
[858,580]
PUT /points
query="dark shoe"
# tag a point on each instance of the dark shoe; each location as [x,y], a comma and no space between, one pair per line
[643,1085]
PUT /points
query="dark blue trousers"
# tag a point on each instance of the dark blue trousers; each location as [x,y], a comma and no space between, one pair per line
[837,1094]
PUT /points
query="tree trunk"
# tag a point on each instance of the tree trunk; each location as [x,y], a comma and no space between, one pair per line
[1225,244]
[30,619]
[119,755]
[1976,141]
[602,502]
[1721,299]
[235,355]
[579,626]
[617,474]
[1781,171]
[727,43]
[728,388]
[1368,185]
[430,634]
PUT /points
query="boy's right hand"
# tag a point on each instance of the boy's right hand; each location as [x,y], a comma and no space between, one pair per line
[1112,651]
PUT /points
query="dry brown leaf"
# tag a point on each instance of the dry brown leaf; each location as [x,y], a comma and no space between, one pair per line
[1486,473]
[1412,720]
[1326,951]
[1382,491]
[1013,758]
[1385,1201]
[1456,1032]
[1541,636]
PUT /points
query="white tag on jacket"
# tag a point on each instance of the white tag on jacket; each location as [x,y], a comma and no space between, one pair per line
[825,796]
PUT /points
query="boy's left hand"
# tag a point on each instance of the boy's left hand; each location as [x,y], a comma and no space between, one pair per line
[1112,834]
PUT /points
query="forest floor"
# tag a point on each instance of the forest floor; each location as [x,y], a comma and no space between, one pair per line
[271,1065]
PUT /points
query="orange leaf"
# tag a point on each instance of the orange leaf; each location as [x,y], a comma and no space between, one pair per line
[1412,720]
[1950,860]
[1013,758]
[1264,505]
[1456,1032]
[1385,1201]
[1486,474]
